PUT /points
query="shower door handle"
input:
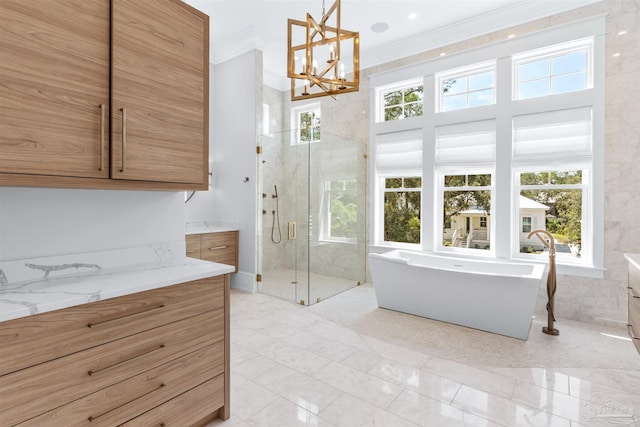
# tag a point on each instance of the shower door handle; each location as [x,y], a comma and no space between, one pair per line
[291,231]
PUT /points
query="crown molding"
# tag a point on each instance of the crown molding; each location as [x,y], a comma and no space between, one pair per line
[249,39]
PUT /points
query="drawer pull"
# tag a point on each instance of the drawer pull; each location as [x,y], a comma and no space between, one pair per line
[218,247]
[95,417]
[144,353]
[93,325]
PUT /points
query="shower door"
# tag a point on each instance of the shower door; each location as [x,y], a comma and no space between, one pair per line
[313,216]
[284,179]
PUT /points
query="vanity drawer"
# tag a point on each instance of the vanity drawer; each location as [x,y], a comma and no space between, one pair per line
[35,339]
[43,387]
[220,247]
[131,398]
[634,312]
[634,279]
[192,242]
[186,410]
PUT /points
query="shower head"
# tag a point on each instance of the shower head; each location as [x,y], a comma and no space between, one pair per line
[275,188]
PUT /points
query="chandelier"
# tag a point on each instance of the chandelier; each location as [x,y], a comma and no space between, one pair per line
[323,58]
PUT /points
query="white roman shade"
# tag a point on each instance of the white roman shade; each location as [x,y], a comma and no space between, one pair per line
[466,145]
[563,135]
[399,153]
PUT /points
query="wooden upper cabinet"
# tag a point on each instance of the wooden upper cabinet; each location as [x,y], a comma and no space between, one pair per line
[54,76]
[70,69]
[160,79]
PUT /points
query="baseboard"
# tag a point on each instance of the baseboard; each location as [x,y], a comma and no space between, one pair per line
[243,281]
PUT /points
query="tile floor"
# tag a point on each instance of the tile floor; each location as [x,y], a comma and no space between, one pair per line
[345,362]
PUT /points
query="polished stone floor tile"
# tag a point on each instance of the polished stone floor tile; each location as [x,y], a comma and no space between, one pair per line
[345,362]
[349,411]
[423,410]
[366,387]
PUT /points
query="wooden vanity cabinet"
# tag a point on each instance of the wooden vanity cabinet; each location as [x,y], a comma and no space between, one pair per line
[221,246]
[104,94]
[633,289]
[160,355]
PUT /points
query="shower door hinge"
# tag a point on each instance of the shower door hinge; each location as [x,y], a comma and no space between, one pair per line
[258,149]
[258,277]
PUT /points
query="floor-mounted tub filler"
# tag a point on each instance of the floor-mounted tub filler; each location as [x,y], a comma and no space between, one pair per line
[490,295]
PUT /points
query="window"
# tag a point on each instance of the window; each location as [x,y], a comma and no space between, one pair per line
[466,206]
[558,196]
[398,165]
[562,69]
[493,175]
[307,122]
[467,88]
[401,102]
[402,198]
[341,210]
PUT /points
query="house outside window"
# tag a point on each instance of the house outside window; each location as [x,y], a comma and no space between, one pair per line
[307,124]
[471,87]
[466,206]
[402,101]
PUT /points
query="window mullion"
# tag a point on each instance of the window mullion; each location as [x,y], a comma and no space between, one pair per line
[503,215]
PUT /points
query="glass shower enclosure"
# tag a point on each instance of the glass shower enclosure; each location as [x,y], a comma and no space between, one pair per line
[312,225]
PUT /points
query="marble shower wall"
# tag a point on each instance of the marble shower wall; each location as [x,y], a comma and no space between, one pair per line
[577,298]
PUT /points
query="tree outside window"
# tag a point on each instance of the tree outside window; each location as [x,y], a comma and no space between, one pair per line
[403,102]
[402,199]
[342,209]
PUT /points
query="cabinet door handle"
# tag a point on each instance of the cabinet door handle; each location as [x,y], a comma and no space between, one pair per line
[218,247]
[103,109]
[94,324]
[137,356]
[124,136]
[95,417]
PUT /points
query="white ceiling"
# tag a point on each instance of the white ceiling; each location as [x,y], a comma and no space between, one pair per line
[237,26]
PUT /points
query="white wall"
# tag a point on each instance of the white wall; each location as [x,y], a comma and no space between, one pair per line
[235,93]
[38,222]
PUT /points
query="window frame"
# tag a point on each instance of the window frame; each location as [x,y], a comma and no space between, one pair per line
[399,86]
[551,52]
[466,72]
[296,113]
[441,189]
[381,214]
[325,233]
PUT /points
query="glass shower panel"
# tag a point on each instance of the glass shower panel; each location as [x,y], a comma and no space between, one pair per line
[283,180]
[313,227]
[337,220]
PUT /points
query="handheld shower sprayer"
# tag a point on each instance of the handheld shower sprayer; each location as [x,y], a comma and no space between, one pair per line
[276,217]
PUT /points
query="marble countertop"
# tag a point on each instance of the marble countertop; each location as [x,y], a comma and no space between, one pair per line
[40,285]
[634,259]
[210,226]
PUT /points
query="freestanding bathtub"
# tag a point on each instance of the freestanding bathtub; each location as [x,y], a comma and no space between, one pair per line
[490,295]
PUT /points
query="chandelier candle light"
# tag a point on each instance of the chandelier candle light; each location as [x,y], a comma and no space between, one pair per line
[310,41]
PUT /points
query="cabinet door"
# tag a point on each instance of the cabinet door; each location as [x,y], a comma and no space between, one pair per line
[160,66]
[54,69]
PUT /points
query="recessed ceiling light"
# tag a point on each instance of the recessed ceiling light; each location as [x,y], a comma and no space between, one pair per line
[615,55]
[622,33]
[413,16]
[443,53]
[379,27]
[510,36]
